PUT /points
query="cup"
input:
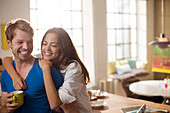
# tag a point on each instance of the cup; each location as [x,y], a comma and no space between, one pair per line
[20,97]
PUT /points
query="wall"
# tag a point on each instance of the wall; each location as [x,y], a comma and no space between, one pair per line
[11,9]
[150,34]
[95,39]
[88,38]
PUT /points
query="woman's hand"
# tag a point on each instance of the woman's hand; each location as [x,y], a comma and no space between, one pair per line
[19,83]
[44,63]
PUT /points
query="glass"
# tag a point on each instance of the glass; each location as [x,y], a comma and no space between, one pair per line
[133,21]
[54,19]
[132,6]
[42,4]
[142,22]
[133,35]
[111,37]
[42,19]
[65,4]
[35,42]
[119,37]
[142,38]
[76,4]
[126,20]
[77,37]
[119,5]
[111,53]
[66,19]
[111,20]
[127,51]
[76,20]
[33,4]
[167,82]
[80,52]
[33,19]
[126,36]
[69,31]
[109,5]
[54,5]
[45,14]
[123,17]
[119,51]
[133,50]
[142,52]
[125,4]
[141,6]
[119,19]
[40,34]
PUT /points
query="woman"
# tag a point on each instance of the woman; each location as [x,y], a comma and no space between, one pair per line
[58,49]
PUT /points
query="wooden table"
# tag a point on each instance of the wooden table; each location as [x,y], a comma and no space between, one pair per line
[114,103]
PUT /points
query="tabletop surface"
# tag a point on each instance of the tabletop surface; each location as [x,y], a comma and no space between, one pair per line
[150,88]
[114,103]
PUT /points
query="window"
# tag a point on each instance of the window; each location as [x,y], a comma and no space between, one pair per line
[45,14]
[126,29]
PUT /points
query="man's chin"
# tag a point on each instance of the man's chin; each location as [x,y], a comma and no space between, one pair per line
[25,57]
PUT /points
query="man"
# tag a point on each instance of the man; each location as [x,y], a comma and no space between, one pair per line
[20,39]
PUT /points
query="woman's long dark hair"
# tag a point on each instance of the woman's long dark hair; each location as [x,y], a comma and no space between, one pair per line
[67,53]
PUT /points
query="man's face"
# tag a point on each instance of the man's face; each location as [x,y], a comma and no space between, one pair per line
[21,45]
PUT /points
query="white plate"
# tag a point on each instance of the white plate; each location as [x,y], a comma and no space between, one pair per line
[98,103]
[101,94]
[93,92]
[98,93]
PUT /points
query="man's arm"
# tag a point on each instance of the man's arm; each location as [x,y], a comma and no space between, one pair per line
[6,106]
[18,81]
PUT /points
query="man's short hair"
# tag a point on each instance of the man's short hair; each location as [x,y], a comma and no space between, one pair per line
[19,23]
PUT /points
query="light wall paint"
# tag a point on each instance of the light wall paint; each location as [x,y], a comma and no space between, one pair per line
[11,9]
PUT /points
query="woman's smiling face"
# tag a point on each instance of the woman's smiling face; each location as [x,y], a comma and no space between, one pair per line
[50,49]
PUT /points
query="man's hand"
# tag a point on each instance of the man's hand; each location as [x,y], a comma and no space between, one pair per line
[11,107]
[19,83]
